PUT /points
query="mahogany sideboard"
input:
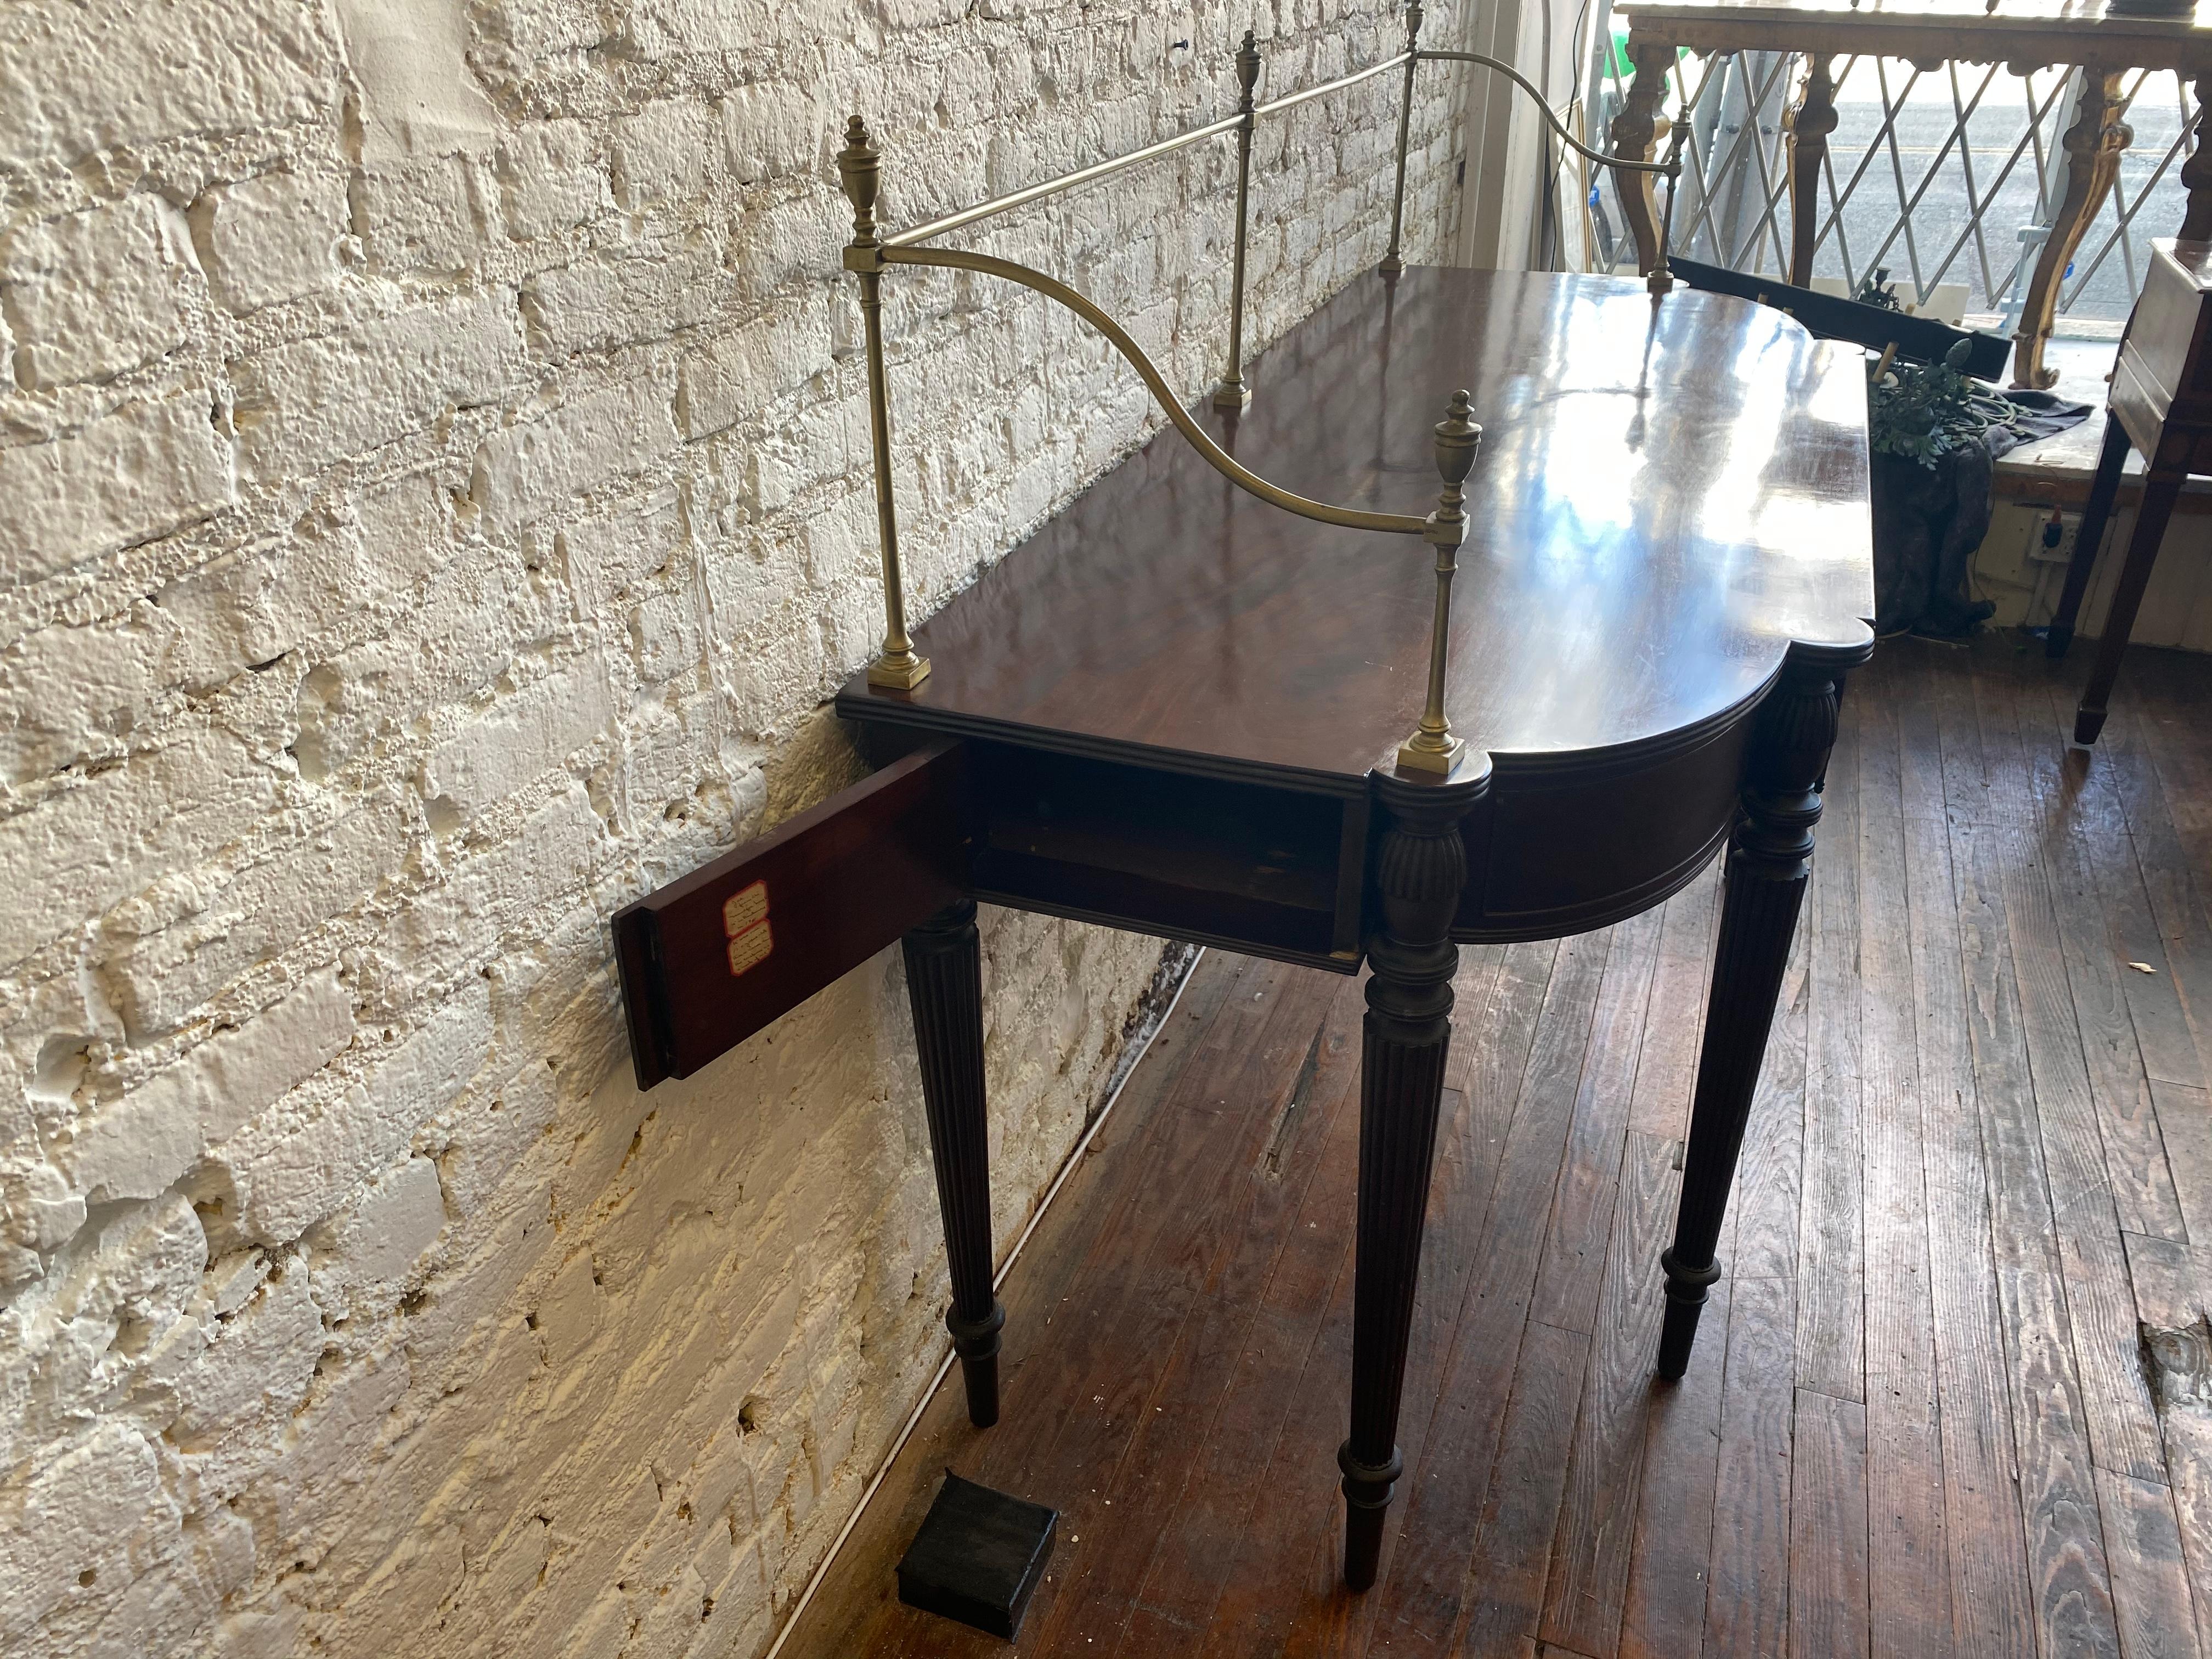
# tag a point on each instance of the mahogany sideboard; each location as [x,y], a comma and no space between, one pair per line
[1176,710]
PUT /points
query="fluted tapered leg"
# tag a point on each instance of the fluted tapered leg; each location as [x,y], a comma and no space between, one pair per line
[1407,1031]
[1769,861]
[945,986]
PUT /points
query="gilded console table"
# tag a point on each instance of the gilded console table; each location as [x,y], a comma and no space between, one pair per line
[1244,690]
[2022,34]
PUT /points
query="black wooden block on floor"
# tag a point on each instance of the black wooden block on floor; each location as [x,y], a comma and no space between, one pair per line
[979,1556]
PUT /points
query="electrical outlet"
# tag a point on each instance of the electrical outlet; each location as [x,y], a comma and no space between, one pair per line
[2052,541]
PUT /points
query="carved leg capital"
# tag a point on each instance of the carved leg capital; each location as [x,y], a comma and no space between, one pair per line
[1418,880]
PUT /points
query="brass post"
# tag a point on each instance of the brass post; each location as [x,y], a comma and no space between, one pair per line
[860,169]
[1432,748]
[1392,265]
[1232,393]
[1661,279]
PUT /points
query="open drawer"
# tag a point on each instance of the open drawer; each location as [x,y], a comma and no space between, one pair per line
[1256,867]
[709,960]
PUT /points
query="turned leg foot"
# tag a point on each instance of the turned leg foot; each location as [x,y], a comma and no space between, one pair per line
[976,1342]
[1685,1301]
[944,987]
[1368,1490]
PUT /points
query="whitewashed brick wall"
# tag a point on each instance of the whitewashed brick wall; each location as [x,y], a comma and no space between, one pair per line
[433,511]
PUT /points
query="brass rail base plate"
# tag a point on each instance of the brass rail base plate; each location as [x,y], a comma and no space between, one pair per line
[1440,760]
[899,676]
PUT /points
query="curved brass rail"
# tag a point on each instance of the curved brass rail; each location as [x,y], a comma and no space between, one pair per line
[1661,281]
[1620,164]
[1223,462]
[1431,747]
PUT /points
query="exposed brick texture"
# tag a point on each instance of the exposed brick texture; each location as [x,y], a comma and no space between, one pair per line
[433,509]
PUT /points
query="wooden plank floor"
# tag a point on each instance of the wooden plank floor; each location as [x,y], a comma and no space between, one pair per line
[1942,1403]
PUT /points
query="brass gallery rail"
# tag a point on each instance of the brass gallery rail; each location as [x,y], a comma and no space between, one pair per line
[1431,747]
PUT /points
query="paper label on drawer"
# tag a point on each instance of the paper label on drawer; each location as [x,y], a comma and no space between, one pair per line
[744,907]
[750,948]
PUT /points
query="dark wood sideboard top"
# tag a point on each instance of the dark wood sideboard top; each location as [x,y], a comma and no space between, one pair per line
[1659,513]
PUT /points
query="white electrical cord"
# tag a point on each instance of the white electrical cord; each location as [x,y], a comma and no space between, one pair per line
[998,1279]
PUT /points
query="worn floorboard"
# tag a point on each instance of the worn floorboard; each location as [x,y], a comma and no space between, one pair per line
[1922,1418]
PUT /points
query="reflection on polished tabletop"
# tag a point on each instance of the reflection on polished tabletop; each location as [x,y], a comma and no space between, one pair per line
[1666,497]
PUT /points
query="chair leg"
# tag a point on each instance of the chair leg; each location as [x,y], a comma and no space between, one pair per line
[2104,488]
[2160,491]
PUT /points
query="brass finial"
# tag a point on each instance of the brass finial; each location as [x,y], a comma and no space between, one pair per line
[1248,70]
[861,170]
[1432,748]
[1458,438]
